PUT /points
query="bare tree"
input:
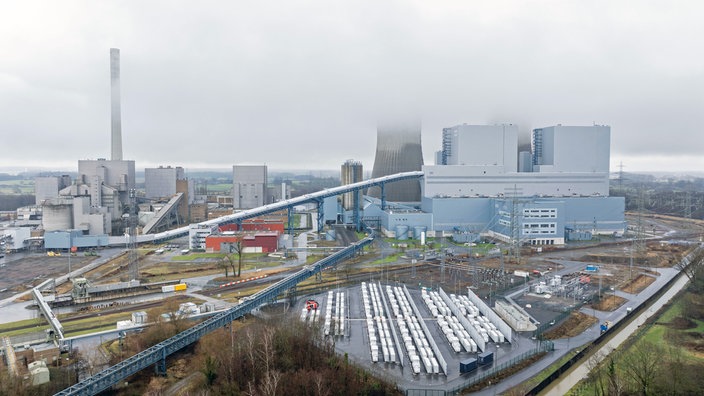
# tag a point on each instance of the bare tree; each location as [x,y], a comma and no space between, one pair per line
[239,247]
[270,382]
[94,359]
[596,374]
[251,389]
[320,388]
[616,383]
[224,263]
[692,267]
[235,248]
[641,363]
[266,353]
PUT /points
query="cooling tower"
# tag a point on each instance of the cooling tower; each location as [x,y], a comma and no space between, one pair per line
[398,149]
[115,116]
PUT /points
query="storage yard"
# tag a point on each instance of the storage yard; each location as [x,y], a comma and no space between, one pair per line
[417,336]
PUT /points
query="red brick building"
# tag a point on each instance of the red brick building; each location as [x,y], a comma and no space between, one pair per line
[258,242]
[273,224]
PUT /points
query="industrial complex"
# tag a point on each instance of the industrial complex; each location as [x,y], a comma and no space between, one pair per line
[482,188]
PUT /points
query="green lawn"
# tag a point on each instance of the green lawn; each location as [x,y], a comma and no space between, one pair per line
[17,187]
[196,256]
[222,187]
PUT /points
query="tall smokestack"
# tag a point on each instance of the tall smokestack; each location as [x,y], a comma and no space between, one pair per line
[115,117]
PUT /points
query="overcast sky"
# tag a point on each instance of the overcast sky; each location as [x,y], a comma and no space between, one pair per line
[300,84]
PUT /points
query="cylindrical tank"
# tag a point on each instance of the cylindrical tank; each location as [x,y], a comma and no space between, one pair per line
[401,232]
[57,215]
[417,231]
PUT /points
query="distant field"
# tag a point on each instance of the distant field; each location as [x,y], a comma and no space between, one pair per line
[225,188]
[17,187]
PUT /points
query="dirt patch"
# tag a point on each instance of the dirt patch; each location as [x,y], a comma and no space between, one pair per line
[638,284]
[574,325]
[656,255]
[680,323]
[609,303]
[693,341]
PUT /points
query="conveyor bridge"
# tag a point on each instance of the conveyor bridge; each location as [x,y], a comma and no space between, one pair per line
[157,354]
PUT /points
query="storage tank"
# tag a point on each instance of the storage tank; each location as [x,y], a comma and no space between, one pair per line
[418,231]
[401,232]
[57,215]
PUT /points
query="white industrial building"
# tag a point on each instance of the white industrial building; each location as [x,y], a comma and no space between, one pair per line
[13,239]
[482,161]
[249,186]
[483,185]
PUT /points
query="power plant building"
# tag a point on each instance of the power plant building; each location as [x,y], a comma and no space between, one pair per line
[161,182]
[483,185]
[249,186]
[97,199]
[398,149]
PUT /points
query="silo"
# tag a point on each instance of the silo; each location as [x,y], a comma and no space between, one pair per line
[401,232]
[57,214]
[418,230]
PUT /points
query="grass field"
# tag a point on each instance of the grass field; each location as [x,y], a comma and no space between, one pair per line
[17,187]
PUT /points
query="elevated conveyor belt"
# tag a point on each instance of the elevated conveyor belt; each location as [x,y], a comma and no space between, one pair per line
[48,313]
[158,353]
[274,207]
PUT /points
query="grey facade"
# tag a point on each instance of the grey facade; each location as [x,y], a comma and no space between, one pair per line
[351,172]
[67,239]
[481,145]
[567,161]
[249,186]
[161,182]
[47,187]
[398,149]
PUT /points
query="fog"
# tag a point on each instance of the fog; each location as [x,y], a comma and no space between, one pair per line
[300,85]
